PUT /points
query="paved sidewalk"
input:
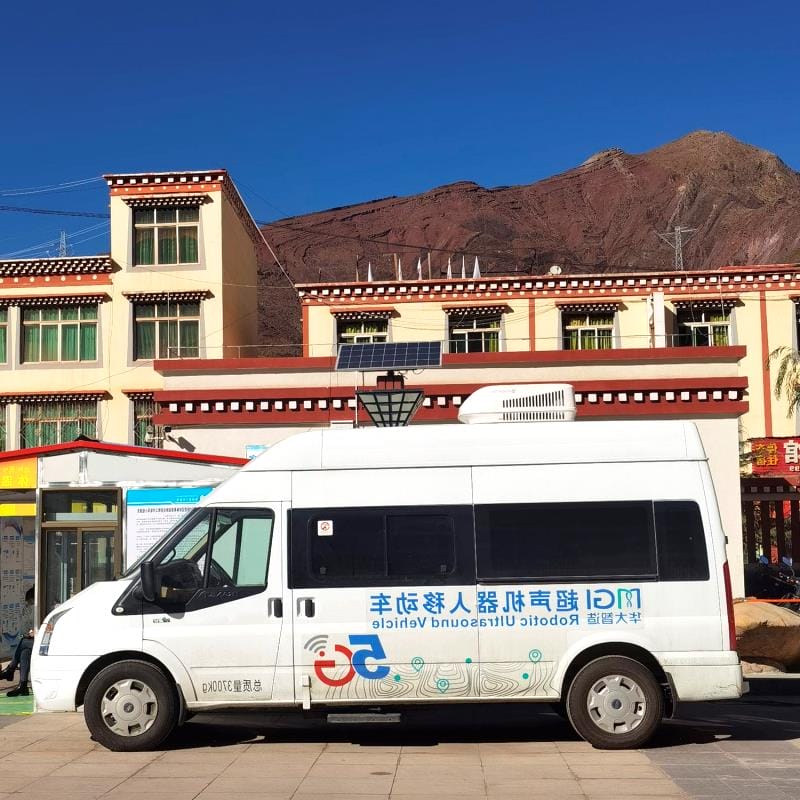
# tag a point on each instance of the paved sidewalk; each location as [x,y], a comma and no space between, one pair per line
[51,756]
[744,750]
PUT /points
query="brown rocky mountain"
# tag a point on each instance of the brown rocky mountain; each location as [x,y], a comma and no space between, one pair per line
[603,215]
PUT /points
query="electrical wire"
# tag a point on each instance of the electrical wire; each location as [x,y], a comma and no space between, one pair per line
[52,188]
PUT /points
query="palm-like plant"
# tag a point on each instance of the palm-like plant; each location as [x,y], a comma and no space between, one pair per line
[787,378]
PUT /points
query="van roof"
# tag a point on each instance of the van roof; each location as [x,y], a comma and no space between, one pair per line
[499,443]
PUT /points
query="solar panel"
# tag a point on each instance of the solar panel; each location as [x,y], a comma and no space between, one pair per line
[389,355]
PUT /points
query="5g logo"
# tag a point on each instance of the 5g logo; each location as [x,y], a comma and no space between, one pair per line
[369,647]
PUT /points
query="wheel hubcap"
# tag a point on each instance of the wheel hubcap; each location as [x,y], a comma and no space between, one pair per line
[129,707]
[616,704]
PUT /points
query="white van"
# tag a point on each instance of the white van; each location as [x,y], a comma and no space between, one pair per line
[579,563]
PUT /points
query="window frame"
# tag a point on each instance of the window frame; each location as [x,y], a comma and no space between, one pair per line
[158,321]
[485,328]
[204,596]
[143,421]
[63,418]
[692,326]
[483,545]
[362,337]
[302,523]
[155,227]
[60,325]
[592,327]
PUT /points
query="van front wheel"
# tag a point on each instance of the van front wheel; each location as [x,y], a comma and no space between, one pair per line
[130,705]
[615,702]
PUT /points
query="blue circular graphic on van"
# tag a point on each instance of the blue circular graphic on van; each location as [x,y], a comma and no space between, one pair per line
[417,663]
[535,656]
[525,676]
[398,678]
[443,685]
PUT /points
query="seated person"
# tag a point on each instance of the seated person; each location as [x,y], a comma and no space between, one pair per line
[22,655]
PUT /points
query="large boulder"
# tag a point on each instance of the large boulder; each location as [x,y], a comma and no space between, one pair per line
[767,634]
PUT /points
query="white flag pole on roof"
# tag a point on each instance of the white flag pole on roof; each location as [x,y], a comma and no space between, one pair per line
[449,269]
[419,269]
[399,269]
[463,267]
[369,272]
[476,270]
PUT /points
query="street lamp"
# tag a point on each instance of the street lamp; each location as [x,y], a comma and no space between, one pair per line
[390,405]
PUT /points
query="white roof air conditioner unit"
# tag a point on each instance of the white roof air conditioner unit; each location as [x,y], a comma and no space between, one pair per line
[532,402]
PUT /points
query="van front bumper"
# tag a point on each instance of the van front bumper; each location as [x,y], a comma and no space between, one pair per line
[55,680]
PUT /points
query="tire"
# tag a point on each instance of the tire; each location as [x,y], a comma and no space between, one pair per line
[130,705]
[615,702]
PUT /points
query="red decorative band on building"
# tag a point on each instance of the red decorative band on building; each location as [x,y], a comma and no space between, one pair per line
[725,303]
[475,309]
[588,306]
[37,301]
[171,201]
[167,297]
[363,312]
[51,397]
[165,179]
[56,266]
[698,284]
[287,406]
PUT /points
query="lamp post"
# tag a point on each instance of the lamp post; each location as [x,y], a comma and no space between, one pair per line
[390,404]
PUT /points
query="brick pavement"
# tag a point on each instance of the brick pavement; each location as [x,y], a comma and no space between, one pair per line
[723,750]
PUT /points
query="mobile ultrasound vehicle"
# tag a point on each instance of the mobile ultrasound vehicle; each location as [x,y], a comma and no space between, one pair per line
[581,563]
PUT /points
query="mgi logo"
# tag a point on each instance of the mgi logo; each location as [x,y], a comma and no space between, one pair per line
[620,599]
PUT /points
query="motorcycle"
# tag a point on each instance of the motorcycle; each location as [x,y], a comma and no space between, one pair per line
[766,581]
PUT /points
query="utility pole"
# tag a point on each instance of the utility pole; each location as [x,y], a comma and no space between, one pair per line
[63,250]
[675,240]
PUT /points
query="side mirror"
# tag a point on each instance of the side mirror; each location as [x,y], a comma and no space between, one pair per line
[149,582]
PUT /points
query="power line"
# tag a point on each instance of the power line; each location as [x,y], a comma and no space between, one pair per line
[23,210]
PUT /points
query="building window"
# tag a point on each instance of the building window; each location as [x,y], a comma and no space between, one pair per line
[165,235]
[3,335]
[474,333]
[703,327]
[361,331]
[588,331]
[145,433]
[166,330]
[65,333]
[53,423]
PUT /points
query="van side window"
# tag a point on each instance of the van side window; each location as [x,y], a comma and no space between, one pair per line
[382,546]
[565,541]
[682,552]
[420,545]
[240,548]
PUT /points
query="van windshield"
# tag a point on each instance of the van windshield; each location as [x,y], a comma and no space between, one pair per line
[187,522]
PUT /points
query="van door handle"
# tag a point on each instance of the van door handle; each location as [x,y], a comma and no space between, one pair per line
[275,607]
[305,606]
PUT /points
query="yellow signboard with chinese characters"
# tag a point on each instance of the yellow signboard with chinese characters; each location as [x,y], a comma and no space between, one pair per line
[19,474]
[17,509]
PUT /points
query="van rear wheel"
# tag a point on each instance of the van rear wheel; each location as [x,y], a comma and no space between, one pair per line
[130,705]
[615,702]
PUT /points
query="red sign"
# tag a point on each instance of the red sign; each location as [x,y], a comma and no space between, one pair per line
[776,456]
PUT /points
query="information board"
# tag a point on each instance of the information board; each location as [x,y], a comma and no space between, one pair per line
[150,513]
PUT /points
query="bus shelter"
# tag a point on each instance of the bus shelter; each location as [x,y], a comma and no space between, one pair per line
[79,512]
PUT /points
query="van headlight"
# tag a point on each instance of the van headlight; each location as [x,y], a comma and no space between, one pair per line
[49,627]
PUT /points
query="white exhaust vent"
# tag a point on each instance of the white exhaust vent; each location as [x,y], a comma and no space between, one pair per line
[532,402]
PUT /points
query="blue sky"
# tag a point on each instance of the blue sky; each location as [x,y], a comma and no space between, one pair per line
[313,105]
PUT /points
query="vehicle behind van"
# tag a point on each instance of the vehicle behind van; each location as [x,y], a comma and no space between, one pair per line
[576,563]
